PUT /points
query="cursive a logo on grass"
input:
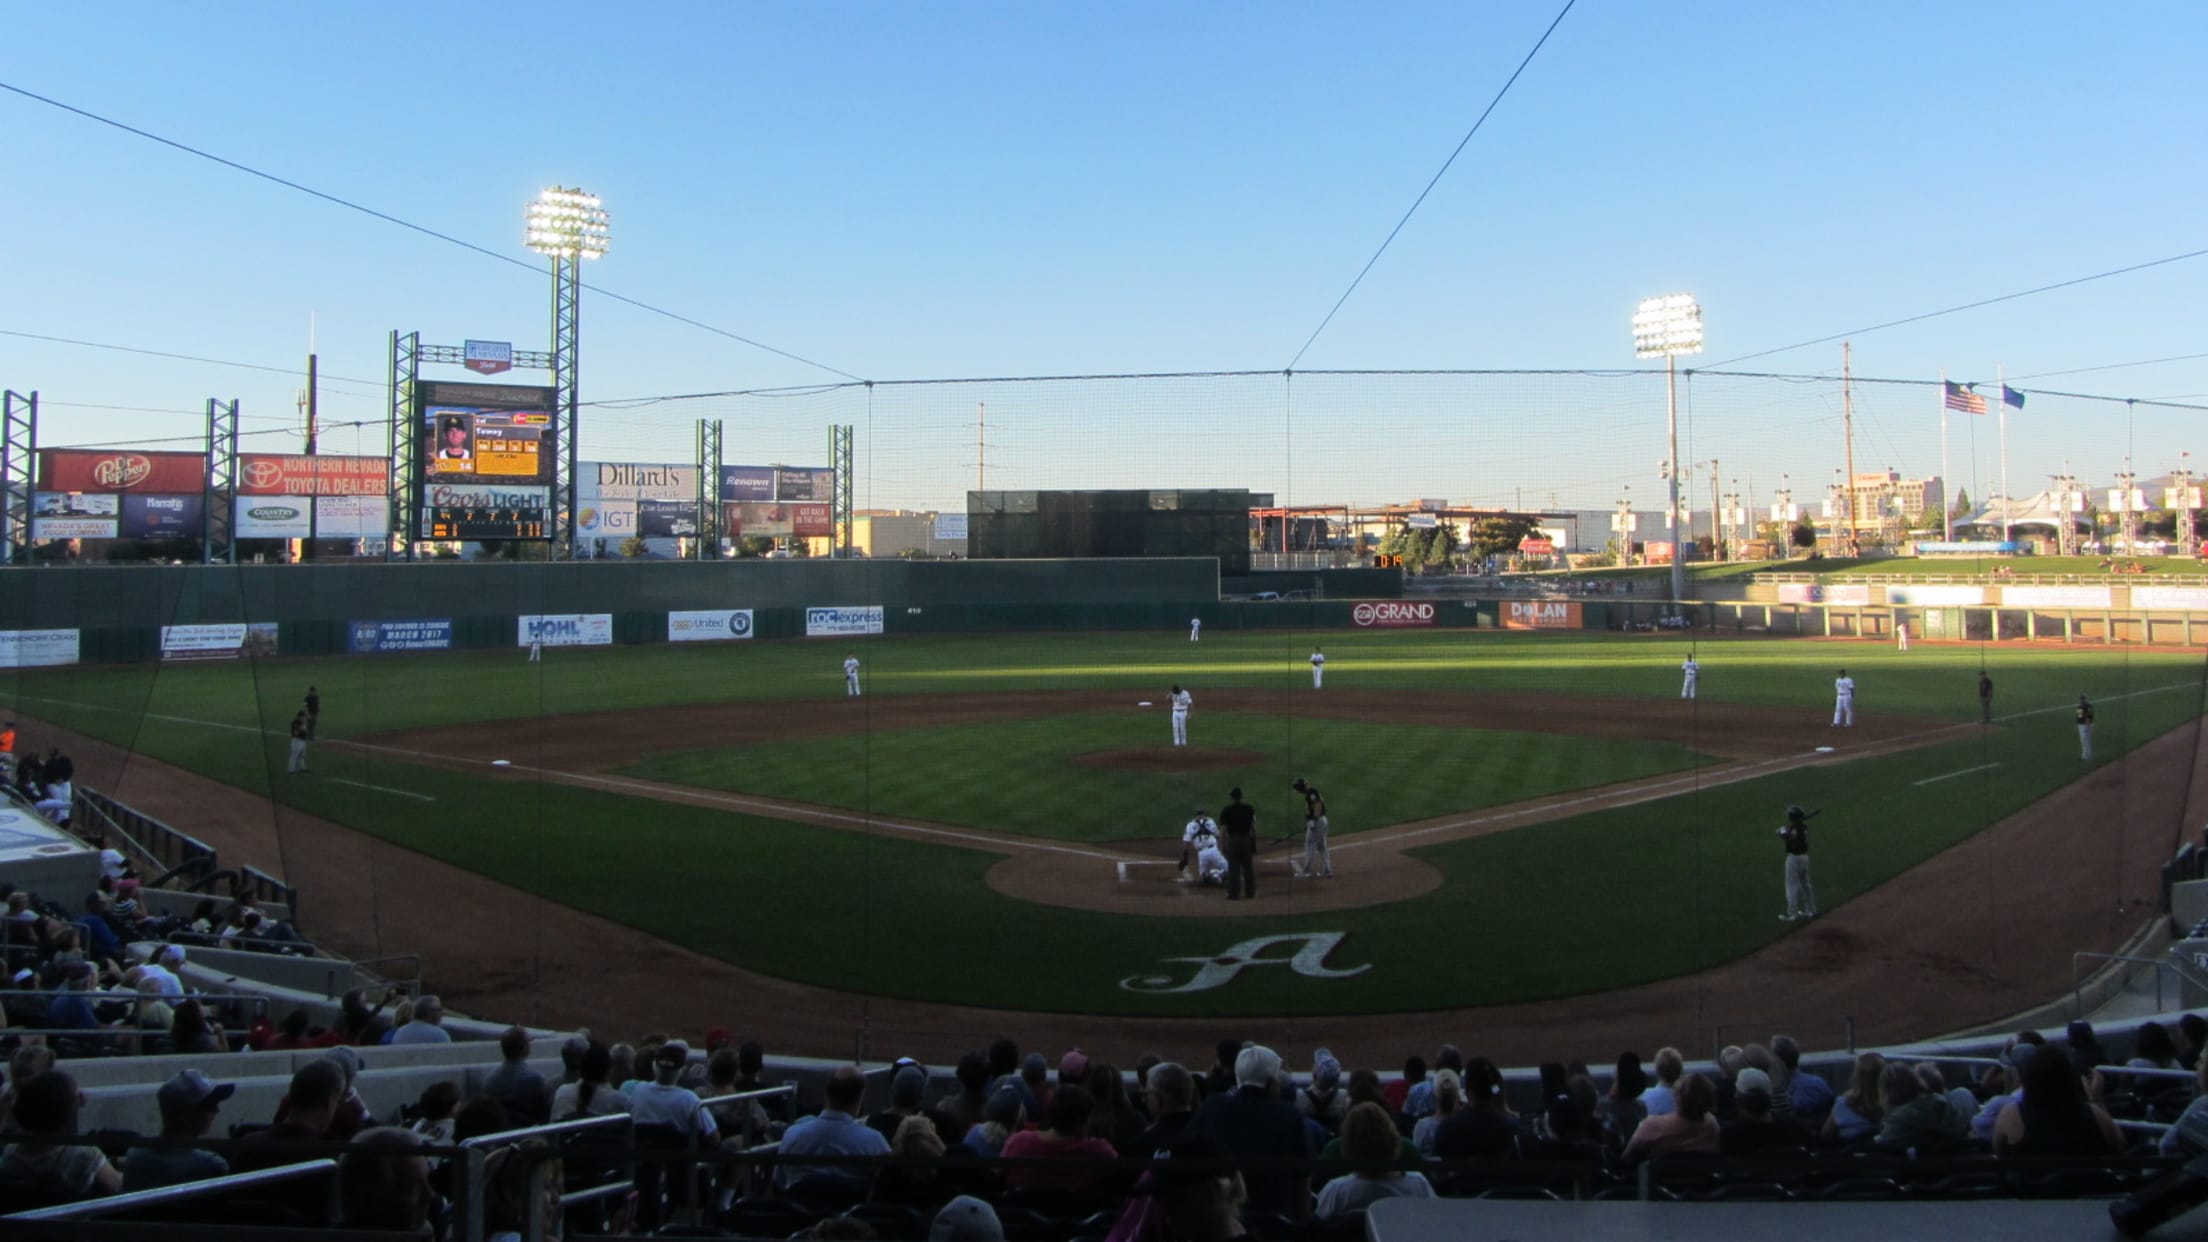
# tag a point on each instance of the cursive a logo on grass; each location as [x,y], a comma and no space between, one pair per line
[1309,960]
[1387,614]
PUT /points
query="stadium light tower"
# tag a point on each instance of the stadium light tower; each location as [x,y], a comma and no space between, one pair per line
[568,226]
[1667,327]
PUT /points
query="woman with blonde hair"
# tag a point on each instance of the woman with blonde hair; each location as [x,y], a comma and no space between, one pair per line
[1448,1098]
[1369,1141]
[1856,1115]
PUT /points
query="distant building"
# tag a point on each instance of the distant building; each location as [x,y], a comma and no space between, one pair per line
[901,532]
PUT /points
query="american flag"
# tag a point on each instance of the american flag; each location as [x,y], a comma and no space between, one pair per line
[1961,398]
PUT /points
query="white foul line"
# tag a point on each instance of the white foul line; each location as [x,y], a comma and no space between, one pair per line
[1931,780]
[396,793]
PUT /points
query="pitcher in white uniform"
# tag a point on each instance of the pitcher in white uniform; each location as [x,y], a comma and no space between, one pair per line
[1182,700]
[1318,668]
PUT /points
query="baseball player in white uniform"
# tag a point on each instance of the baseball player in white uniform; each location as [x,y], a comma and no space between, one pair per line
[1317,862]
[851,676]
[536,651]
[1318,668]
[1195,627]
[1843,701]
[1182,700]
[1692,672]
[1200,844]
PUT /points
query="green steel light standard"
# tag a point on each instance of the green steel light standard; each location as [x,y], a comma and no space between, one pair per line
[18,472]
[218,537]
[568,226]
[709,489]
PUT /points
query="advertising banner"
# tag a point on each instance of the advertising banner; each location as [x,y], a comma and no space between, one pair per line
[812,520]
[485,496]
[620,480]
[75,504]
[2055,597]
[1540,614]
[1847,593]
[289,474]
[765,521]
[72,528]
[37,648]
[1656,552]
[273,517]
[352,517]
[1936,596]
[1801,593]
[666,519]
[606,520]
[1391,615]
[706,627]
[804,483]
[1530,546]
[163,517]
[364,637]
[589,629]
[2171,599]
[747,484]
[949,526]
[828,622]
[92,470]
[217,642]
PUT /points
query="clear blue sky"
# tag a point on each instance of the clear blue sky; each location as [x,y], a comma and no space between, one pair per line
[1017,189]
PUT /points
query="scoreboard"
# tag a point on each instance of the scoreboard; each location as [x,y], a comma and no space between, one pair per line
[451,522]
[486,462]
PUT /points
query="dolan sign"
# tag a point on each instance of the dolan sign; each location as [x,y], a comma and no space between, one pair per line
[1540,614]
[1392,615]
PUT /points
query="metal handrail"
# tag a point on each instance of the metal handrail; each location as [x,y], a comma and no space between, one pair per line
[2160,964]
[112,1204]
[549,1127]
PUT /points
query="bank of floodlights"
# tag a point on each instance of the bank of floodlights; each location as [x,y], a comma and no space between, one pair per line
[568,224]
[1668,325]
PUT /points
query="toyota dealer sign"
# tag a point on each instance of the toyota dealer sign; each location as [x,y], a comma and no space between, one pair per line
[1392,615]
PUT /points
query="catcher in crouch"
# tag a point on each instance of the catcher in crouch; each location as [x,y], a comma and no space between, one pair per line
[1200,844]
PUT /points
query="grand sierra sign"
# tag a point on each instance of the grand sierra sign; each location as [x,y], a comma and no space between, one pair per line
[1387,614]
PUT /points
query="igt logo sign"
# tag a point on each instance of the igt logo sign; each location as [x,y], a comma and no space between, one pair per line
[1389,614]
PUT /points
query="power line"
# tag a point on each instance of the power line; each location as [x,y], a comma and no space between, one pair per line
[1953,310]
[2111,366]
[160,353]
[1438,174]
[409,225]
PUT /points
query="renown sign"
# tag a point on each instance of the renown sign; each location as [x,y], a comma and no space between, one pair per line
[1392,615]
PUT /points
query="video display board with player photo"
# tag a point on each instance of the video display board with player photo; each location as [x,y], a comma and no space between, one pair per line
[487,461]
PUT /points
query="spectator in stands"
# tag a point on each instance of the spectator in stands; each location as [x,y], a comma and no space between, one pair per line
[1253,1123]
[100,941]
[743,1122]
[2152,1048]
[621,1067]
[28,1061]
[1116,1120]
[58,798]
[1418,1102]
[964,1105]
[188,1104]
[1485,1128]
[307,1111]
[1324,1101]
[1002,1118]
[38,1155]
[521,1089]
[71,1007]
[2192,1034]
[1690,1128]
[424,1027]
[1565,1129]
[1004,1059]
[1754,1131]
[1064,1136]
[1172,1096]
[1197,1196]
[383,1181]
[161,968]
[1662,1097]
[1963,1099]
[1448,1100]
[571,1056]
[1916,1118]
[192,1032]
[507,1203]
[206,920]
[2055,1117]
[1622,1109]
[2189,1136]
[1364,1086]
[1810,1094]
[1219,1080]
[2007,1089]
[1856,1115]
[834,1131]
[294,1033]
[661,1102]
[1756,1056]
[1073,1069]
[907,1088]
[1397,1093]
[1370,1143]
[477,1116]
[435,1109]
[966,1219]
[917,1179]
[751,1063]
[2086,1051]
[1035,1076]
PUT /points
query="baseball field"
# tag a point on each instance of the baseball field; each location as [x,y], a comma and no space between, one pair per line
[994,823]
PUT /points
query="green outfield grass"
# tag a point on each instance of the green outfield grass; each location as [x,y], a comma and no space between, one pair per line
[1576,905]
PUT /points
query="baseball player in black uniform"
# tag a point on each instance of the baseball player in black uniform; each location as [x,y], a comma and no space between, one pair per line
[314,711]
[1801,899]
[1985,699]
[1317,863]
[1239,821]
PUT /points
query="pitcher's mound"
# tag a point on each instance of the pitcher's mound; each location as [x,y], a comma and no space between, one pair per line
[1169,759]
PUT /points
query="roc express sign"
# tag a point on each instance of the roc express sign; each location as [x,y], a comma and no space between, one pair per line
[1390,615]
[828,622]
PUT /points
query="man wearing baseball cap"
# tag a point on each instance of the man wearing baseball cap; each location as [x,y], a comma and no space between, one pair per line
[188,1106]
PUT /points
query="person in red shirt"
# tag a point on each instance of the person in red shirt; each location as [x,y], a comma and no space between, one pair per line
[1066,1136]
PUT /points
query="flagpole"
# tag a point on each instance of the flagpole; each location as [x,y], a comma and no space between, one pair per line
[2001,379]
[1947,502]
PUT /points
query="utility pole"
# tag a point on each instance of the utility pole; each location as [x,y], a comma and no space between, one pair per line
[981,450]
[1847,425]
[1717,539]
